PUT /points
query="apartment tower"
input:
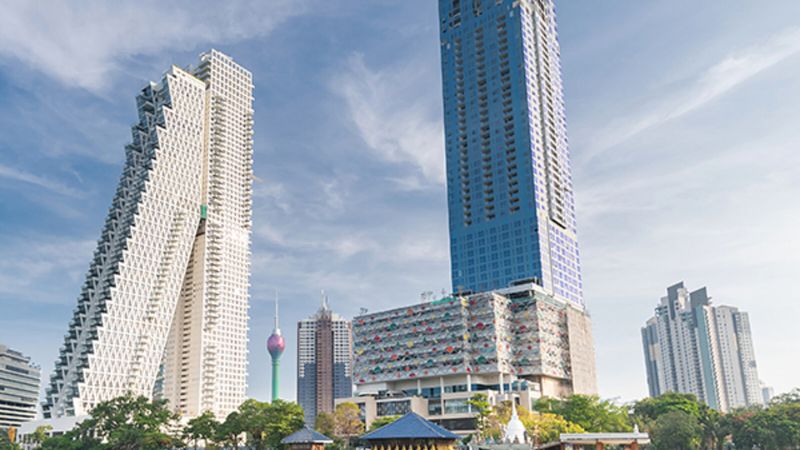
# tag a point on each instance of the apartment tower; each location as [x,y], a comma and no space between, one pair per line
[509,182]
[694,347]
[324,361]
[166,294]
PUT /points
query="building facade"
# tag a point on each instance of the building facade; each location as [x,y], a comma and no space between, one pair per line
[431,358]
[694,347]
[19,388]
[166,294]
[767,393]
[509,181]
[324,362]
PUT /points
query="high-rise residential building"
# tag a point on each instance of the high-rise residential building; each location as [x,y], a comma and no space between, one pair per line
[432,357]
[19,388]
[509,182]
[166,294]
[694,347]
[324,361]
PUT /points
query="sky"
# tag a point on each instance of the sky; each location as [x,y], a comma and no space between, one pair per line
[682,119]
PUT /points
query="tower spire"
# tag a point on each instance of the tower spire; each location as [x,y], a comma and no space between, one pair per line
[277,322]
[323,300]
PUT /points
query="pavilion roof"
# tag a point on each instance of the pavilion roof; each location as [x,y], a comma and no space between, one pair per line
[410,426]
[306,435]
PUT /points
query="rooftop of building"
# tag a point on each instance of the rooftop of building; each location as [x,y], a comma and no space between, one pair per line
[410,426]
[306,435]
[522,289]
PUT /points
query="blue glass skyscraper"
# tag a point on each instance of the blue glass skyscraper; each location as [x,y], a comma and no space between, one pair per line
[509,183]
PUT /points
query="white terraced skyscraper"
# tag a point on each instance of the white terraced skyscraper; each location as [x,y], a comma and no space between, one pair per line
[164,308]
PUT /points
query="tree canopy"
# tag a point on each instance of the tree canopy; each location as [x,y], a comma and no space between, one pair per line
[266,424]
[123,423]
[776,426]
[589,411]
[676,430]
[382,421]
[133,423]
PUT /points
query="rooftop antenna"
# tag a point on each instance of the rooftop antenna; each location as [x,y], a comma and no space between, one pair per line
[323,300]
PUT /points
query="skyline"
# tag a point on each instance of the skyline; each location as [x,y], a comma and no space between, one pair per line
[357,160]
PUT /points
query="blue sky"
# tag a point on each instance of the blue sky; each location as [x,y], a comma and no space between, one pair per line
[682,121]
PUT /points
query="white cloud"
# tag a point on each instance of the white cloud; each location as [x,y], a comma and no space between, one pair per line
[397,121]
[707,212]
[36,180]
[41,269]
[722,77]
[83,43]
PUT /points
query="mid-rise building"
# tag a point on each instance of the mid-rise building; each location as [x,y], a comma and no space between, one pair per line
[509,181]
[324,361]
[166,294]
[694,347]
[19,388]
[767,393]
[431,358]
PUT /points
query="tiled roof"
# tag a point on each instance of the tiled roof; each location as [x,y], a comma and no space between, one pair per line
[306,435]
[410,426]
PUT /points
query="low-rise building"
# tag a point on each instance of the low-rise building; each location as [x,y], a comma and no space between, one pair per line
[26,436]
[431,358]
[19,388]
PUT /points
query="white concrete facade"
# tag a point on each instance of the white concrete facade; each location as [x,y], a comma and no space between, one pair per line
[166,296]
[19,388]
[694,347]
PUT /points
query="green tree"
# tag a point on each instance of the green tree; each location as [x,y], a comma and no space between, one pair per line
[128,422]
[774,427]
[40,434]
[324,424]
[123,423]
[347,422]
[650,409]
[5,441]
[266,424]
[547,427]
[482,409]
[714,427]
[382,421]
[588,411]
[283,419]
[253,421]
[230,430]
[204,428]
[676,430]
[65,442]
[541,427]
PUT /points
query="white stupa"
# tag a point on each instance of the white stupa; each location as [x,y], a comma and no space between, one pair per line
[515,430]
